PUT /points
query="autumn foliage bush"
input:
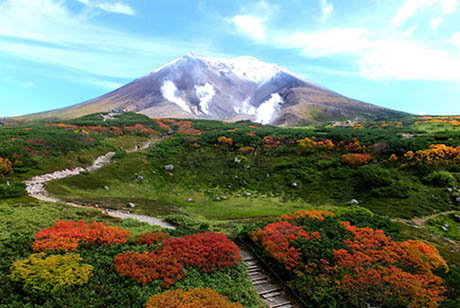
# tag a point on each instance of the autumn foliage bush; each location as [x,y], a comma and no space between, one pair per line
[49,274]
[328,260]
[151,238]
[145,267]
[225,140]
[67,235]
[355,160]
[206,251]
[436,154]
[194,298]
[5,166]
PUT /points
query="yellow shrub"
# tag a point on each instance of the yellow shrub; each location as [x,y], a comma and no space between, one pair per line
[49,274]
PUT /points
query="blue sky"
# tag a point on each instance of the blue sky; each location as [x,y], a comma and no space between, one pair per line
[398,54]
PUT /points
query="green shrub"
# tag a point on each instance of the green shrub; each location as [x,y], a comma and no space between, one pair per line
[374,176]
[13,190]
[439,178]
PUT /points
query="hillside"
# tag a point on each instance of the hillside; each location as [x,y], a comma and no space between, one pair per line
[243,88]
[317,206]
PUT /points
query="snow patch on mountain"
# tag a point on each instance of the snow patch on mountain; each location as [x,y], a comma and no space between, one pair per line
[245,68]
[268,110]
[205,94]
[169,91]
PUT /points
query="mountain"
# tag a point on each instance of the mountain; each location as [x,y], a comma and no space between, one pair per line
[226,89]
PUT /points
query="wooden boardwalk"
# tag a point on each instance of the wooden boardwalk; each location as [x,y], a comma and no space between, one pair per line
[268,289]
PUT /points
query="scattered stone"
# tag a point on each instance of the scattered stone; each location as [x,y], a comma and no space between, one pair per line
[140,178]
[106,188]
[224,198]
[217,199]
[229,186]
[247,194]
[7,183]
[354,202]
[237,160]
[169,167]
[239,195]
[189,200]
[457,217]
[294,185]
[446,225]
[131,205]
[450,190]
[444,229]
[457,199]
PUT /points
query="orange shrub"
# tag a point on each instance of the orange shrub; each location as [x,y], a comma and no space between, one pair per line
[67,235]
[356,160]
[246,150]
[225,141]
[5,166]
[151,238]
[313,214]
[437,154]
[199,298]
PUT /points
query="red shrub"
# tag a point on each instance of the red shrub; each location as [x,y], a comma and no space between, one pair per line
[207,251]
[392,273]
[276,239]
[149,266]
[66,235]
[5,166]
[356,160]
[151,238]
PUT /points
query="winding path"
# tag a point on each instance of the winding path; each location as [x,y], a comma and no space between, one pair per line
[36,187]
[420,221]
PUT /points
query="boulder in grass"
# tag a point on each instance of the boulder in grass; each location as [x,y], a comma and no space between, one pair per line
[169,167]
[354,202]
[131,205]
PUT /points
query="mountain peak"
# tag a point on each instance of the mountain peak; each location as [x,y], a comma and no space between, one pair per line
[233,89]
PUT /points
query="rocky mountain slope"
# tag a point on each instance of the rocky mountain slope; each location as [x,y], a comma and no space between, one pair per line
[226,89]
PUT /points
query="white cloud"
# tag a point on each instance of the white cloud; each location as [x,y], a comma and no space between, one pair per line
[325,42]
[411,7]
[251,25]
[435,22]
[109,6]
[410,31]
[326,8]
[116,7]
[408,60]
[52,34]
[455,40]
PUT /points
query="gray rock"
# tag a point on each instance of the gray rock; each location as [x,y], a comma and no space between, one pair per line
[169,167]
[354,202]
[217,198]
[247,194]
[140,178]
[224,198]
[294,185]
[444,229]
[237,160]
[106,188]
[189,200]
[450,190]
[239,195]
[229,186]
[131,205]
[457,217]
[446,225]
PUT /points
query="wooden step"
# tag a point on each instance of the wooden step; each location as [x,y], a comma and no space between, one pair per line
[260,282]
[271,294]
[280,305]
[268,291]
